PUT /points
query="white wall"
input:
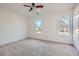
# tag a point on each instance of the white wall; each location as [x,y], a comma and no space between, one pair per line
[13,26]
[50,27]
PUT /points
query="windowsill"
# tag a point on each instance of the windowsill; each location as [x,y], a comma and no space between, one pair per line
[38,32]
[65,33]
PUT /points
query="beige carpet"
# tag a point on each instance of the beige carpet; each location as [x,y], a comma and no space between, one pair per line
[31,47]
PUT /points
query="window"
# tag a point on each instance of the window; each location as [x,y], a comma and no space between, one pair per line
[64,25]
[38,26]
[76,23]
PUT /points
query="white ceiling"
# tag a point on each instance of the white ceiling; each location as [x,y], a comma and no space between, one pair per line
[48,7]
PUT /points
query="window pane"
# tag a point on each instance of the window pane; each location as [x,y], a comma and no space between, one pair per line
[38,23]
[64,24]
[38,26]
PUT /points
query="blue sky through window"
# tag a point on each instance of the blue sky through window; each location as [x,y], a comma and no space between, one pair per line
[38,23]
[65,19]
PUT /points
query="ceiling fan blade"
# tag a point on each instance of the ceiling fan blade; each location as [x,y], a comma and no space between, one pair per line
[27,6]
[31,9]
[33,4]
[39,6]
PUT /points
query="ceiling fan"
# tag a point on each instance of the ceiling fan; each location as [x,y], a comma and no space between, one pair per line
[33,6]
